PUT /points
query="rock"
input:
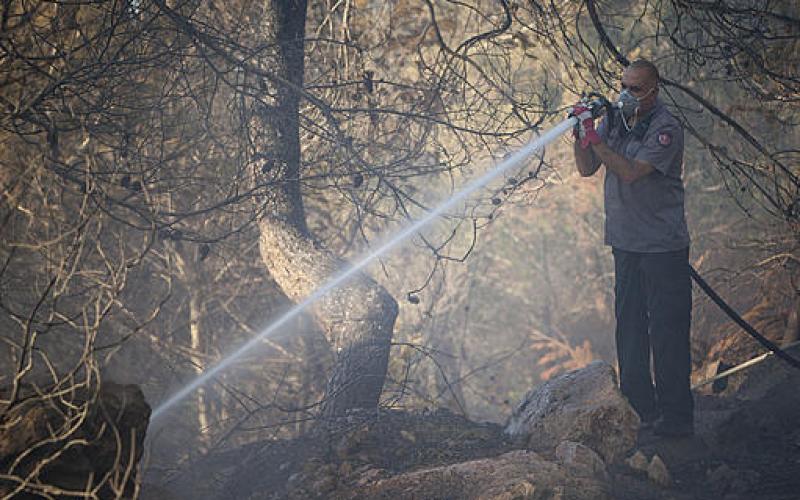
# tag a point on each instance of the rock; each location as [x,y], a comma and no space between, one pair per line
[518,474]
[638,461]
[583,406]
[658,473]
[368,476]
[575,454]
[80,439]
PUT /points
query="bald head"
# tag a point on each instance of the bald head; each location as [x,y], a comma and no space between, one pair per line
[647,68]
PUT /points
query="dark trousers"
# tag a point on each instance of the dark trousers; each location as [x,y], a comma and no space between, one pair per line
[653,308]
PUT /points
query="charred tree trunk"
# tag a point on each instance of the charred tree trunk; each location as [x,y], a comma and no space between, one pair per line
[359,317]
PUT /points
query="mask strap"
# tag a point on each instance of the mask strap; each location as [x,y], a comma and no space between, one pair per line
[624,121]
[647,94]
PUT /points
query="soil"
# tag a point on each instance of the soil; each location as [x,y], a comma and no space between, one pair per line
[746,446]
[334,454]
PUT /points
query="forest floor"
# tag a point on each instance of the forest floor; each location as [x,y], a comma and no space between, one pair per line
[746,446]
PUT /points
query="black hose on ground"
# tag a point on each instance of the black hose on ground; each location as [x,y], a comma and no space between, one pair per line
[747,327]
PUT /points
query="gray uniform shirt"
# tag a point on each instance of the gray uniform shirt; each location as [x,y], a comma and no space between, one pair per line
[647,215]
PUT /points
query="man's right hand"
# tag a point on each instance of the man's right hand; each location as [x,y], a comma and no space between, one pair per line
[584,129]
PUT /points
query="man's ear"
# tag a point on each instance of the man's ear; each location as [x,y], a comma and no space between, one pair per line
[652,94]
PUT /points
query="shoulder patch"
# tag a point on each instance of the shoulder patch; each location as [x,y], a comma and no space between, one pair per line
[664,138]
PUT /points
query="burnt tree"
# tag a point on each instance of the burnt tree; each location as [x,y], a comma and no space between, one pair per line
[358,317]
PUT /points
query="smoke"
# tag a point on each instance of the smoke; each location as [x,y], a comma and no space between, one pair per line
[390,243]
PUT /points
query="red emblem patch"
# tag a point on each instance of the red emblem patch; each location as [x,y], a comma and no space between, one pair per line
[665,139]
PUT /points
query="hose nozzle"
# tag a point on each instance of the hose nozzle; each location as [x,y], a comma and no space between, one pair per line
[598,104]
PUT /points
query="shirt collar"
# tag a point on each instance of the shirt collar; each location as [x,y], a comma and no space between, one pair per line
[656,107]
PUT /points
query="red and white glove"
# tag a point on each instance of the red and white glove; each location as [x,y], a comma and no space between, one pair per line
[584,129]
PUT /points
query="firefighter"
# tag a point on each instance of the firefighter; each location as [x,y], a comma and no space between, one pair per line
[640,144]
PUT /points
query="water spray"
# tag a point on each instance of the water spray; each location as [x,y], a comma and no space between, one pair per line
[597,106]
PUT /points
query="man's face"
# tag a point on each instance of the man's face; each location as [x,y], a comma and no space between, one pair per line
[639,83]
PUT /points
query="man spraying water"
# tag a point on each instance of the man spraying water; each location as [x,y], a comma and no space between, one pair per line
[641,146]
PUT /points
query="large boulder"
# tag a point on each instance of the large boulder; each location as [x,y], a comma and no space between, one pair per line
[73,443]
[584,406]
[521,474]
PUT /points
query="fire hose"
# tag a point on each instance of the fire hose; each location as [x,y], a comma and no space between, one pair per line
[747,327]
